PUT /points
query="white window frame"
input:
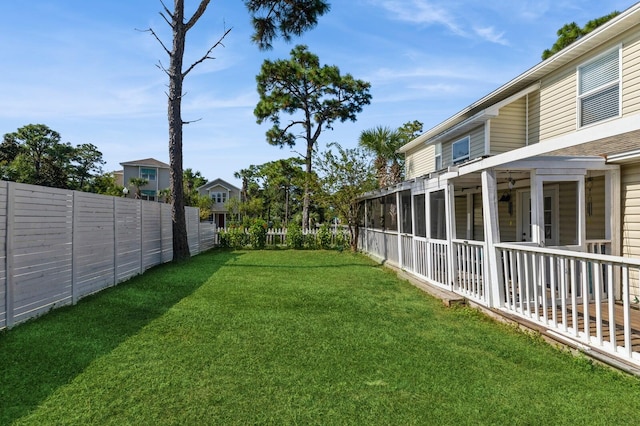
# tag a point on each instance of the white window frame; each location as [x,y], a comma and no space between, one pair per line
[601,88]
[219,197]
[437,158]
[155,174]
[467,140]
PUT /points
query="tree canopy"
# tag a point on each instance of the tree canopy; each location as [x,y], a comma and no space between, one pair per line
[571,32]
[344,176]
[35,154]
[314,97]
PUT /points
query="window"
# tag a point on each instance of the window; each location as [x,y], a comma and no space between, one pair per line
[148,174]
[460,150]
[599,88]
[219,197]
[438,156]
[148,195]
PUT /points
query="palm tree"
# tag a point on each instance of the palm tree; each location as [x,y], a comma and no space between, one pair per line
[138,183]
[383,143]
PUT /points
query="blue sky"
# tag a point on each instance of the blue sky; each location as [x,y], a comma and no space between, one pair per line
[81,68]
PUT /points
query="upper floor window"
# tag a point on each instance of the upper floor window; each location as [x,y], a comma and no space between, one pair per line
[460,150]
[438,156]
[599,88]
[219,197]
[148,174]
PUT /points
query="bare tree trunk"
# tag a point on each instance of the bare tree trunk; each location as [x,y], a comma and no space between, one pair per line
[306,200]
[179,224]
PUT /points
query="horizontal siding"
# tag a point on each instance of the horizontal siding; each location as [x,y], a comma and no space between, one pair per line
[476,146]
[631,76]
[568,214]
[631,210]
[508,130]
[419,161]
[477,143]
[533,111]
[596,221]
[558,104]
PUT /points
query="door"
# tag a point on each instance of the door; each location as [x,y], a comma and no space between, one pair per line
[550,216]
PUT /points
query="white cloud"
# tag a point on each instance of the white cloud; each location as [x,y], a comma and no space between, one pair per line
[422,12]
[490,34]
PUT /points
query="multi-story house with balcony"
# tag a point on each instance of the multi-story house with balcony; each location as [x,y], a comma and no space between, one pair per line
[154,172]
[527,202]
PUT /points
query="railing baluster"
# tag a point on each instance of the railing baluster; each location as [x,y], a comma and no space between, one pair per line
[574,298]
[552,290]
[585,299]
[562,274]
[597,285]
[611,302]
[626,303]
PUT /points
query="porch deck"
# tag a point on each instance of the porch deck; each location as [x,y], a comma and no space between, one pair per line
[606,328]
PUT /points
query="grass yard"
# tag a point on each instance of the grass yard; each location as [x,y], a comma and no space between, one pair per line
[291,337]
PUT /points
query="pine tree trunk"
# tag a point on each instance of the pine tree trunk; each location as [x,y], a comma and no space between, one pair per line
[179,223]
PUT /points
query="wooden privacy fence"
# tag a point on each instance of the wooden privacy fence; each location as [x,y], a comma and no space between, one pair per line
[57,246]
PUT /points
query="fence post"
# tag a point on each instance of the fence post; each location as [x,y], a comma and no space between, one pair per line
[9,294]
[115,242]
[74,249]
[141,211]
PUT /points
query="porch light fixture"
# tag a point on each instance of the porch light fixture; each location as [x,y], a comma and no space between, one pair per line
[125,191]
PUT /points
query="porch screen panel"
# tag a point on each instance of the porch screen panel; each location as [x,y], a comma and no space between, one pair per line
[420,219]
[405,211]
[390,213]
[438,215]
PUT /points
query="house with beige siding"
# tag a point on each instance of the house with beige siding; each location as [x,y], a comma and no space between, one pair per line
[527,202]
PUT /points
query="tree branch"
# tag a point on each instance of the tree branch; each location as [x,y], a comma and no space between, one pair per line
[206,55]
[168,12]
[153,33]
[198,13]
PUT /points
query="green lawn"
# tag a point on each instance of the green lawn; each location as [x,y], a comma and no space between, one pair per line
[291,337]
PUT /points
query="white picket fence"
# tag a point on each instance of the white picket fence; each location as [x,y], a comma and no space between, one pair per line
[57,246]
[278,236]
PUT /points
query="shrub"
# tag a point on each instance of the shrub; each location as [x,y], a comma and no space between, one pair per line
[237,238]
[258,234]
[295,238]
[324,237]
[343,240]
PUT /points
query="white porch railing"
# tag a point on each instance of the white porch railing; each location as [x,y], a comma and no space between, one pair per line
[469,269]
[572,293]
[438,255]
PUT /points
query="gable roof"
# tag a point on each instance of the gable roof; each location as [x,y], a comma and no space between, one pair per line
[621,23]
[150,162]
[219,182]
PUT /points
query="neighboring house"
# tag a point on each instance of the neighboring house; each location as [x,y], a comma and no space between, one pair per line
[220,192]
[528,201]
[155,172]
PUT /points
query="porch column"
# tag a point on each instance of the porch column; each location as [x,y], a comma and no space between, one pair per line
[537,209]
[493,285]
[582,214]
[450,213]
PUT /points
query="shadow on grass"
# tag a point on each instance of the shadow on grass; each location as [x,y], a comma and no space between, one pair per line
[39,356]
